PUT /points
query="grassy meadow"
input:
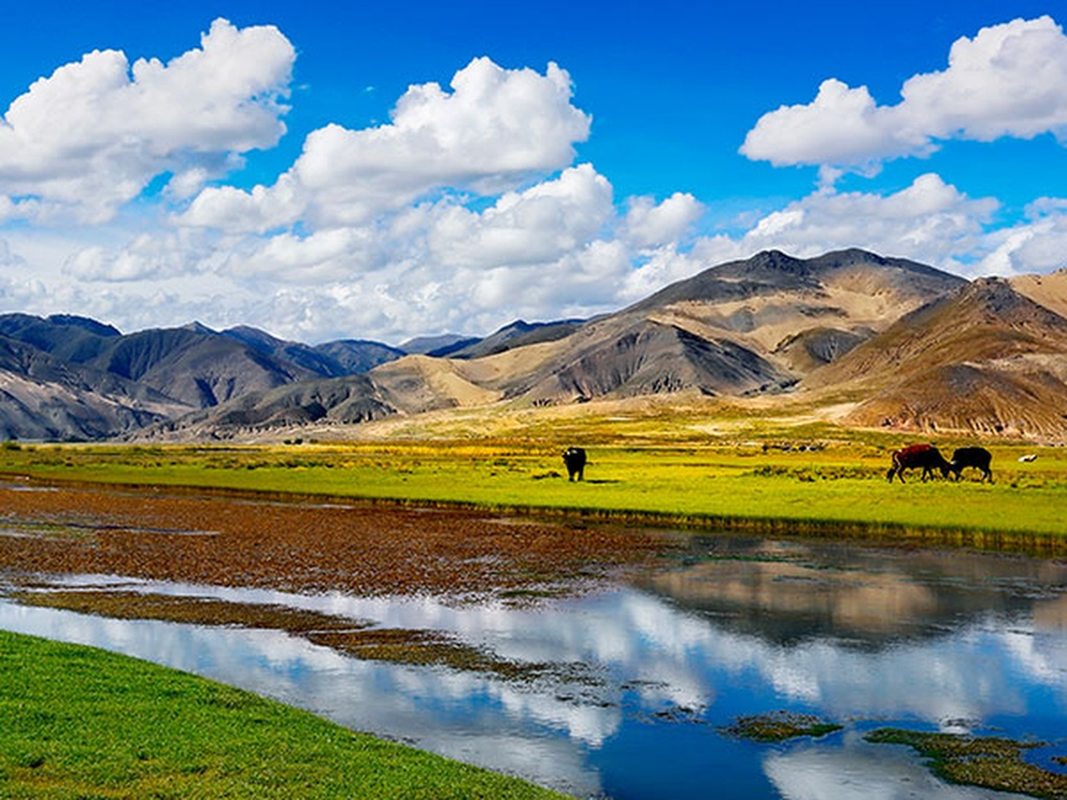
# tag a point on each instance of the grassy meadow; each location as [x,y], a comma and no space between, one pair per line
[656,467]
[84,723]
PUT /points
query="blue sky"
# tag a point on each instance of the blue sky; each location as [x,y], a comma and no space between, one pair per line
[370,170]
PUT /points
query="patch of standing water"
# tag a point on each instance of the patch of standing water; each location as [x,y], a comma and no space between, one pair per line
[645,674]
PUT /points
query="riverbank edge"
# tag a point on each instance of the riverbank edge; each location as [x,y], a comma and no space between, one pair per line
[80,719]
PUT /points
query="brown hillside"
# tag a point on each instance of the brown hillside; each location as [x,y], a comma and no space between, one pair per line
[772,298]
[655,358]
[735,329]
[985,358]
[745,328]
[66,411]
[1049,291]
[414,384]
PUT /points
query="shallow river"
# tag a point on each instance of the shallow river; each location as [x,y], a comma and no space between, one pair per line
[627,688]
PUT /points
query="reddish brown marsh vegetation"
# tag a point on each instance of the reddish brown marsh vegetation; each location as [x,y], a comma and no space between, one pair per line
[303,546]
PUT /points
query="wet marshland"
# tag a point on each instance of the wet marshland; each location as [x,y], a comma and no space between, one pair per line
[598,660]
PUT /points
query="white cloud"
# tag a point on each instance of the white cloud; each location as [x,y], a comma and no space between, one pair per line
[649,224]
[8,259]
[557,249]
[321,258]
[1038,245]
[1009,80]
[91,136]
[529,254]
[256,211]
[495,131]
[155,256]
[496,128]
[543,223]
[842,126]
[663,266]
[929,221]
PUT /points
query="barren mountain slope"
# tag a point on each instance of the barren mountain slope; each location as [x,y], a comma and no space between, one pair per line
[62,336]
[985,358]
[1047,290]
[752,327]
[39,410]
[43,397]
[771,298]
[348,400]
[738,328]
[414,384]
[649,357]
[518,334]
[201,369]
[357,356]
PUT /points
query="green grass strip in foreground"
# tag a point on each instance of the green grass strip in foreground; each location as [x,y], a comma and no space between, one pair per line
[77,722]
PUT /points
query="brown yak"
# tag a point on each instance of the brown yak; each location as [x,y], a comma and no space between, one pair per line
[918,456]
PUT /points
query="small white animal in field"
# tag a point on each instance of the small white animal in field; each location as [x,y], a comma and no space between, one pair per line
[1027,459]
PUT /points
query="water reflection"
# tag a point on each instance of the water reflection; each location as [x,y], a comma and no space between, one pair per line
[738,626]
[855,770]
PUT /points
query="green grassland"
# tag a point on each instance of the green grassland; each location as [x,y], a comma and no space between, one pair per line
[84,723]
[812,478]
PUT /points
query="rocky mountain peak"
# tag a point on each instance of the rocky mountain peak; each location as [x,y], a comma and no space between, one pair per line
[778,261]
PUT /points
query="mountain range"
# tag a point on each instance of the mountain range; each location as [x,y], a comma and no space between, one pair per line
[895,343]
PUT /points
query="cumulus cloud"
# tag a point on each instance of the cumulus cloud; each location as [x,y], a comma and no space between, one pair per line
[385,213]
[530,252]
[538,225]
[929,221]
[256,211]
[496,130]
[1009,80]
[443,266]
[1036,245]
[842,126]
[649,224]
[154,256]
[558,248]
[91,136]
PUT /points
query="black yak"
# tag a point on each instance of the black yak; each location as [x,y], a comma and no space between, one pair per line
[574,458]
[977,457]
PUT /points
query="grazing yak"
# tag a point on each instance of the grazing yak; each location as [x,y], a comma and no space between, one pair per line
[574,458]
[977,457]
[918,456]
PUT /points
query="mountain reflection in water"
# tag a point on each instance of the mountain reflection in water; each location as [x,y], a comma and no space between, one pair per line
[645,673]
